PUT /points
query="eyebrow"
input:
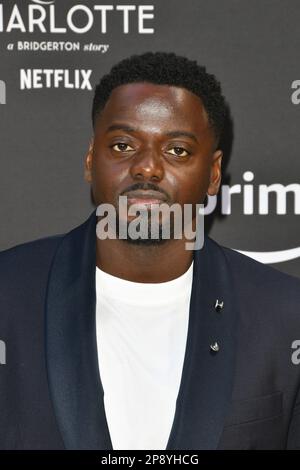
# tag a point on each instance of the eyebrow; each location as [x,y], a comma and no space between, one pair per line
[175,133]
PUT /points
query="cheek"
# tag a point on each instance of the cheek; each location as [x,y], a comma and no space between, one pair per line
[107,179]
[100,178]
[192,186]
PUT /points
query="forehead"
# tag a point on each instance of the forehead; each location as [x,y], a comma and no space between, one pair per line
[158,105]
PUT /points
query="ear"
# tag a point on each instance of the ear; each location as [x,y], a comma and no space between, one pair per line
[89,162]
[216,173]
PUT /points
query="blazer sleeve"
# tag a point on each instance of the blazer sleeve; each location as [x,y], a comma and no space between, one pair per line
[293,442]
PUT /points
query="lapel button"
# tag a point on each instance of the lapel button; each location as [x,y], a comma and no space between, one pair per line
[215,347]
[219,305]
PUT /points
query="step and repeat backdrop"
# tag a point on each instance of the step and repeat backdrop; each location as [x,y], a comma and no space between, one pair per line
[53,53]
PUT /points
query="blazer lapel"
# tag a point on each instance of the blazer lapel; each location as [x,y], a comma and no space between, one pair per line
[207,376]
[71,348]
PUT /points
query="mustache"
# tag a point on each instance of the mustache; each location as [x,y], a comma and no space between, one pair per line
[145,187]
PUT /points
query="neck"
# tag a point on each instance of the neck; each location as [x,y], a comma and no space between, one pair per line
[137,263]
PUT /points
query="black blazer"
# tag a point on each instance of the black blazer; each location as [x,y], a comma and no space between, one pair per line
[245,396]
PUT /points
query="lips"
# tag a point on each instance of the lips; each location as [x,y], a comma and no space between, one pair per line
[145,197]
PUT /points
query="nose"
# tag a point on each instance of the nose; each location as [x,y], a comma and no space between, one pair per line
[147,166]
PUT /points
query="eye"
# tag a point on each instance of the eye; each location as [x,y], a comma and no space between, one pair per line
[122,147]
[179,151]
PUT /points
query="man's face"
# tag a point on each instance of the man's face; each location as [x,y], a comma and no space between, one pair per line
[153,137]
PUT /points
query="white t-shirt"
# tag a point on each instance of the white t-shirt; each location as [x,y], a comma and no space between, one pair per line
[141,340]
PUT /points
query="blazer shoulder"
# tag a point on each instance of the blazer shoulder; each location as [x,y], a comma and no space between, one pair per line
[246,265]
[264,294]
[261,276]
[33,257]
[28,255]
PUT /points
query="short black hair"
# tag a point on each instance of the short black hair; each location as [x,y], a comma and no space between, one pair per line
[165,68]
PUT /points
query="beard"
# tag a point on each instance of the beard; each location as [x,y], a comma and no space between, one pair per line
[151,226]
[153,232]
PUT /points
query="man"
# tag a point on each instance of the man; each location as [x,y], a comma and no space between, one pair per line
[141,343]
